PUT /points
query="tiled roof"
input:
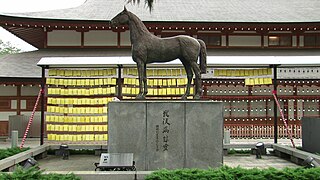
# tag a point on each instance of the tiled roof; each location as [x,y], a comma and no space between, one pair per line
[25,64]
[254,11]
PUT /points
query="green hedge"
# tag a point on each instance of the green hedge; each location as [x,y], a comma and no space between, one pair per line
[240,151]
[4,153]
[34,174]
[74,151]
[238,173]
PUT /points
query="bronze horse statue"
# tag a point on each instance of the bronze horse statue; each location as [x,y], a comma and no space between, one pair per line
[148,48]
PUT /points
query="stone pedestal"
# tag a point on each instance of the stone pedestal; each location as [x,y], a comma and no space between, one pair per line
[167,134]
[311,134]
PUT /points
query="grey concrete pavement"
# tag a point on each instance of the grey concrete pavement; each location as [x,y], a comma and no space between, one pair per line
[86,162]
[74,163]
[250,161]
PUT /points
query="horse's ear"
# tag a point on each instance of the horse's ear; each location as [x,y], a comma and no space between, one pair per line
[125,9]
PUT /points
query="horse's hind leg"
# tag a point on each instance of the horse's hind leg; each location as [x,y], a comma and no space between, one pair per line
[189,77]
[141,70]
[197,73]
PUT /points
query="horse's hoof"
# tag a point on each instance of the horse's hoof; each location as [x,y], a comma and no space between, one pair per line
[140,97]
[184,97]
[197,96]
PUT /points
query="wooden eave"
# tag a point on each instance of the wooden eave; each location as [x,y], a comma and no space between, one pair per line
[33,30]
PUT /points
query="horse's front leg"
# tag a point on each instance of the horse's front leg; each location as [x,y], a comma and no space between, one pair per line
[145,92]
[140,67]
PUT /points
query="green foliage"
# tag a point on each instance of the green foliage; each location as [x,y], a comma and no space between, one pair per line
[238,173]
[241,151]
[8,48]
[81,151]
[148,3]
[74,151]
[4,153]
[33,173]
[20,173]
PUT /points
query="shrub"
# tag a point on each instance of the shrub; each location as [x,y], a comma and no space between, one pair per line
[238,173]
[33,173]
[4,153]
[240,151]
[74,151]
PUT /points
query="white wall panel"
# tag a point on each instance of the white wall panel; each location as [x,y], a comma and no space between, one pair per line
[28,113]
[64,38]
[5,115]
[244,41]
[299,73]
[223,40]
[258,108]
[23,104]
[100,38]
[301,42]
[125,39]
[299,109]
[239,109]
[311,108]
[30,90]
[294,40]
[291,109]
[280,32]
[8,90]
[261,90]
[252,32]
[285,90]
[308,91]
[14,104]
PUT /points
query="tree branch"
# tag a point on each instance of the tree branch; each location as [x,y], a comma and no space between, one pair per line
[148,3]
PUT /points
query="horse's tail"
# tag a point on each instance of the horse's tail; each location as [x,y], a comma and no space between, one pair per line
[203,57]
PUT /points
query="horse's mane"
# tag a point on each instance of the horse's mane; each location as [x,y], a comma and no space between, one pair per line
[139,24]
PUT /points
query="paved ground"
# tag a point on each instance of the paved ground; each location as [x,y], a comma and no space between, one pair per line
[74,163]
[86,162]
[252,162]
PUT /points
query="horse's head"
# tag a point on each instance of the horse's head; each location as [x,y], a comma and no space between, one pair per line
[120,19]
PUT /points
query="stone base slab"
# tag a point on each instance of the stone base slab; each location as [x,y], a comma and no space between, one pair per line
[167,134]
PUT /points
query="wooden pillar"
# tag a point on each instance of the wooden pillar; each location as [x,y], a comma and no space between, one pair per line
[119,39]
[249,101]
[262,41]
[19,99]
[43,83]
[119,82]
[45,42]
[82,39]
[275,112]
[295,103]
